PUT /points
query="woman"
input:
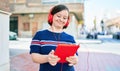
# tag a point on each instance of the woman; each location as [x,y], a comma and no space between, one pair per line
[45,41]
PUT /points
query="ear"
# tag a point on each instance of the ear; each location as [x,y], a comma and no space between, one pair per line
[50,18]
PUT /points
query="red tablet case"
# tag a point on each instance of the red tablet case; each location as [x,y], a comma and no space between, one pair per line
[65,50]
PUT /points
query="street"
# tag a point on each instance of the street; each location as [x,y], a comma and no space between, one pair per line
[19,46]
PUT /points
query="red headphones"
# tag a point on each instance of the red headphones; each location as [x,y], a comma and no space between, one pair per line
[50,20]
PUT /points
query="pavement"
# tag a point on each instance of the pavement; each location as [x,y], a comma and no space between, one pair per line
[77,40]
[93,56]
[88,61]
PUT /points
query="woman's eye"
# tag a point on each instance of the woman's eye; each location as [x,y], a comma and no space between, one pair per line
[64,18]
[58,16]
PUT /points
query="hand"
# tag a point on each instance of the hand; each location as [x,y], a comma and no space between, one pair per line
[53,59]
[72,60]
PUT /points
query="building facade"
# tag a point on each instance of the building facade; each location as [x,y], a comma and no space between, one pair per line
[113,25]
[29,16]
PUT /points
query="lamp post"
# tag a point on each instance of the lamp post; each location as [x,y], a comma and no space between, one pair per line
[102,25]
[94,24]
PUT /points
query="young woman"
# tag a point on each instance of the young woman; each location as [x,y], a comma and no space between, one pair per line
[45,41]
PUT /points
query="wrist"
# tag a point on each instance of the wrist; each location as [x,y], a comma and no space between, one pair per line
[47,58]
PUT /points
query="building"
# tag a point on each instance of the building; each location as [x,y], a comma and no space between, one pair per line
[4,35]
[113,24]
[29,16]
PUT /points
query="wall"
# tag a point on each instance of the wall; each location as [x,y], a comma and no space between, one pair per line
[4,41]
[41,20]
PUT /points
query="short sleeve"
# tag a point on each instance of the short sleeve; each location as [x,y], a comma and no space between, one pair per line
[35,47]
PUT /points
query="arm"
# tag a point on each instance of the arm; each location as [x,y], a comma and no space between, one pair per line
[38,58]
[51,58]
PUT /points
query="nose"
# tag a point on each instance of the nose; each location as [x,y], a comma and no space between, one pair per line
[61,19]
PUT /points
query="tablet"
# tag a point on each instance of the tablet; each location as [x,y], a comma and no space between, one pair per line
[65,50]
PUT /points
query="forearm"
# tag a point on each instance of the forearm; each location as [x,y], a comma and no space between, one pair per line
[38,58]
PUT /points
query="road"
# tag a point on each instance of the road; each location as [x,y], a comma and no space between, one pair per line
[19,47]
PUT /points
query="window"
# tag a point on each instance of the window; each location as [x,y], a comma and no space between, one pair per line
[26,26]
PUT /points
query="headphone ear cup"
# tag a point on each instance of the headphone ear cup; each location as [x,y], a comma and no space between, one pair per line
[67,23]
[50,18]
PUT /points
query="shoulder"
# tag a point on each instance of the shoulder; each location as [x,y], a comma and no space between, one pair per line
[40,33]
[67,35]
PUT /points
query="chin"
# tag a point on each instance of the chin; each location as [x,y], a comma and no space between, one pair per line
[59,26]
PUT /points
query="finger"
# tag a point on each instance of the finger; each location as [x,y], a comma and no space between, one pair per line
[69,58]
[72,61]
[70,64]
[54,59]
[52,52]
[53,64]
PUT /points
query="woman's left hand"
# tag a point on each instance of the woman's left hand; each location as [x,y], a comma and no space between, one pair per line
[72,60]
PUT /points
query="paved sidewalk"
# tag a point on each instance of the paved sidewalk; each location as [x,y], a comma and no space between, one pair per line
[101,56]
[88,61]
[77,40]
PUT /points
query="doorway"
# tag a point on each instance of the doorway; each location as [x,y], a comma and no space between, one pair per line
[14,24]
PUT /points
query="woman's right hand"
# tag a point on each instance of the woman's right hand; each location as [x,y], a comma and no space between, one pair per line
[53,59]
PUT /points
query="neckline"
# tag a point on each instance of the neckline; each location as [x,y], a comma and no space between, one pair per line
[56,35]
[54,32]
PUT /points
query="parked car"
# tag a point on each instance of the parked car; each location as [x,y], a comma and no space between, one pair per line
[116,35]
[101,33]
[12,35]
[92,35]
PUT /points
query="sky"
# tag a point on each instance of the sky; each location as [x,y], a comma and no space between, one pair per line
[100,9]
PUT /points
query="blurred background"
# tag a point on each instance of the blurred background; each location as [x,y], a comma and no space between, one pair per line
[95,24]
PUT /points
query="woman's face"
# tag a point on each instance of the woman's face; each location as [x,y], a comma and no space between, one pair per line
[60,19]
